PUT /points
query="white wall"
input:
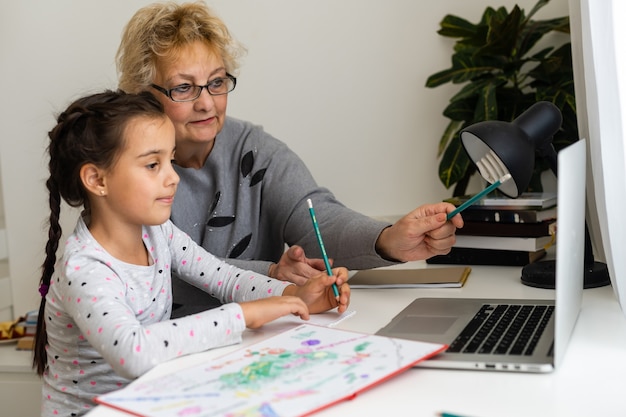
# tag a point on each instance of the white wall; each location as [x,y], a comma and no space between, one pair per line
[341,81]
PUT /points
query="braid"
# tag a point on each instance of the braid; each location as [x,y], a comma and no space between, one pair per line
[40,359]
[88,131]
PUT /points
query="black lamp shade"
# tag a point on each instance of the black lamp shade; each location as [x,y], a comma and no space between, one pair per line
[515,143]
[498,148]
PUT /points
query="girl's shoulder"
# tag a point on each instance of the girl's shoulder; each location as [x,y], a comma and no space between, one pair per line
[81,254]
[81,241]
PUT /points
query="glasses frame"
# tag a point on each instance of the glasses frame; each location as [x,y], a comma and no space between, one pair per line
[168,92]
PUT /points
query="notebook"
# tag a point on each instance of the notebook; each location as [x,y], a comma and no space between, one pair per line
[443,320]
[445,277]
[294,373]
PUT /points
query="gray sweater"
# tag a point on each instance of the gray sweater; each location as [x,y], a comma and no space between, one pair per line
[249,200]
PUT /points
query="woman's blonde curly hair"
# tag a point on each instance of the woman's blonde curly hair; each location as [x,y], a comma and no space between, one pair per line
[161,30]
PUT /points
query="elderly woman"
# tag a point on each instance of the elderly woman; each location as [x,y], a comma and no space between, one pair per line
[242,193]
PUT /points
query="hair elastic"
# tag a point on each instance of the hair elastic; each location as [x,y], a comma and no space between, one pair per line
[43,289]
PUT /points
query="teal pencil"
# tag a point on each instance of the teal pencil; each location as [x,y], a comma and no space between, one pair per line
[478,196]
[321,243]
[444,414]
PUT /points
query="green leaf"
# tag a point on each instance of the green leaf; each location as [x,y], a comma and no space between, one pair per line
[536,8]
[461,110]
[535,30]
[456,27]
[451,131]
[464,68]
[487,105]
[503,34]
[475,88]
[454,163]
[541,55]
[490,13]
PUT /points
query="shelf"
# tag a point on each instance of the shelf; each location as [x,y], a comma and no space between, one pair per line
[15,361]
[20,387]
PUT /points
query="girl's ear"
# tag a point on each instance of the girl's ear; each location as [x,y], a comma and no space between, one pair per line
[93,179]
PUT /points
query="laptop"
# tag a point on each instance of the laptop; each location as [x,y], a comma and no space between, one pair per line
[447,320]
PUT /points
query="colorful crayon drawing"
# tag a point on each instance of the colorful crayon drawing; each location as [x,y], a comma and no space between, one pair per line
[274,364]
[293,373]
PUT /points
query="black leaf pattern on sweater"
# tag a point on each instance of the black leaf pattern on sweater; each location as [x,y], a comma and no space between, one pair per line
[220,221]
[257,177]
[247,162]
[216,201]
[240,247]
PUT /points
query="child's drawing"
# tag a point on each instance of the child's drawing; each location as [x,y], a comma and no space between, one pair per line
[293,373]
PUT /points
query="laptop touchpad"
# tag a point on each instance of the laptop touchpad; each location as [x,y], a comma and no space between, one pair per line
[424,325]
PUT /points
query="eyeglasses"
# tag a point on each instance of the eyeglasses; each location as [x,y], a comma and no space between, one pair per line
[190,92]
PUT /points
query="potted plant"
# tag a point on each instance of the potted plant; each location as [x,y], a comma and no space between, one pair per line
[503,72]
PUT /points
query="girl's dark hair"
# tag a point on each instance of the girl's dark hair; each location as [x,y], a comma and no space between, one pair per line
[90,130]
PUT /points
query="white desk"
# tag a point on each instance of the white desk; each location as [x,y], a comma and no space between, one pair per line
[590,382]
[20,387]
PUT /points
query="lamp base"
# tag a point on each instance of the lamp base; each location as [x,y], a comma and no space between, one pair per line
[542,275]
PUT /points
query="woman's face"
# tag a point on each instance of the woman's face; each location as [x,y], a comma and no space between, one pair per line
[197,121]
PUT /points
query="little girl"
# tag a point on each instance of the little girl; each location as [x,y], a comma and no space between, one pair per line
[105,311]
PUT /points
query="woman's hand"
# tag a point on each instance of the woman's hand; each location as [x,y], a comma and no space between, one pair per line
[421,234]
[317,292]
[295,267]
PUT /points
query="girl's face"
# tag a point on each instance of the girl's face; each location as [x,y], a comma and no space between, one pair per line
[200,120]
[142,182]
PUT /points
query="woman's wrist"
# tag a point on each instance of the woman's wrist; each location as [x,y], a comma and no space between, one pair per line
[380,246]
[271,271]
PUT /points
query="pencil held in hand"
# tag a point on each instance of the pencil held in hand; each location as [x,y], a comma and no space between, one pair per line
[478,196]
[316,227]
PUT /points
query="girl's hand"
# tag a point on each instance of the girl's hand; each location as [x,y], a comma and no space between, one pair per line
[259,312]
[318,293]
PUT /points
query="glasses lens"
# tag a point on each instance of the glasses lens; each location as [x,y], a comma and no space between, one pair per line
[221,86]
[185,92]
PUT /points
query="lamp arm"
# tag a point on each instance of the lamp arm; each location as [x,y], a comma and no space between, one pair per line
[547,151]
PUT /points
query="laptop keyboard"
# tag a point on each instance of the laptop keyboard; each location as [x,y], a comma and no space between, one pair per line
[503,329]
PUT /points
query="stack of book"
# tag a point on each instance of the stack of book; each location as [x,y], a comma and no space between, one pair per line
[503,231]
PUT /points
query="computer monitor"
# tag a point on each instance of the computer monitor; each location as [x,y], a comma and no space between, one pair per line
[598,36]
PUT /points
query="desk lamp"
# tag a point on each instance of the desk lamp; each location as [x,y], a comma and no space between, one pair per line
[497,148]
